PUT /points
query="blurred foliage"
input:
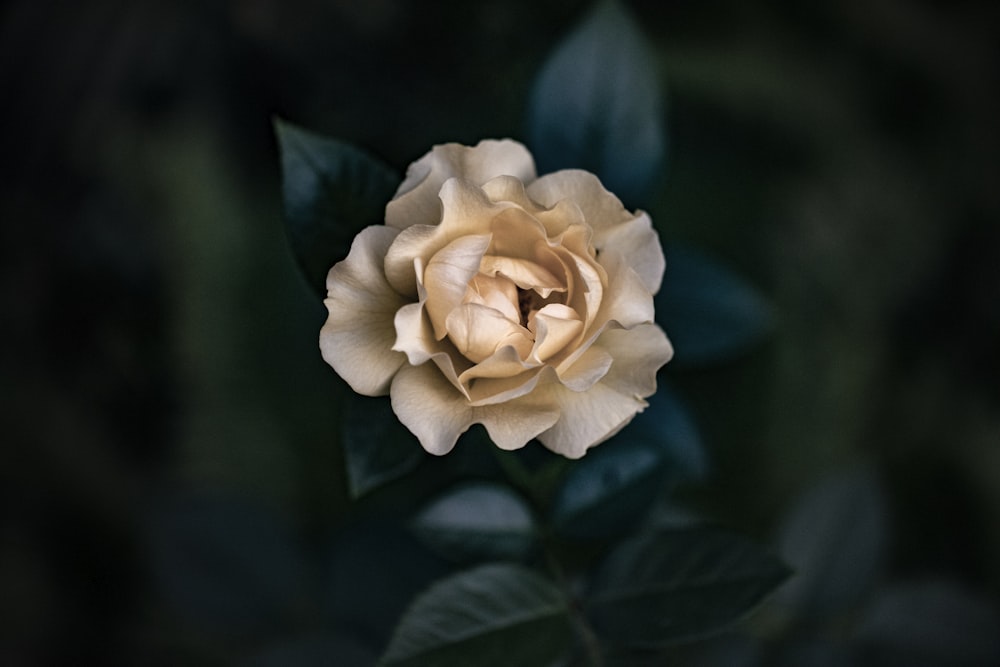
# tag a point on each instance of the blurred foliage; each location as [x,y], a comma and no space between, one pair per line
[159,344]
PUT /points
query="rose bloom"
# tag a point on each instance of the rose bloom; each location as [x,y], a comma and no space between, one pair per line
[492,296]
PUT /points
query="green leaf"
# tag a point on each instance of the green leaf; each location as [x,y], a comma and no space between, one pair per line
[332,191]
[667,422]
[709,313]
[378,448]
[478,520]
[597,105]
[610,489]
[495,615]
[679,584]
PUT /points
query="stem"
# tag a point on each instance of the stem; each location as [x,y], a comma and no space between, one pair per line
[522,479]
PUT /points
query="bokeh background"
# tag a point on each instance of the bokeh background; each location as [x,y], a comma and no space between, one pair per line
[159,346]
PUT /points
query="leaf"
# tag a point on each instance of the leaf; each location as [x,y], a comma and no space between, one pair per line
[667,421]
[836,539]
[609,490]
[493,615]
[680,584]
[378,448]
[226,563]
[929,623]
[478,520]
[596,105]
[709,313]
[332,191]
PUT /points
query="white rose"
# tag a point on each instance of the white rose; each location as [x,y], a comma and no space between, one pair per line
[491,296]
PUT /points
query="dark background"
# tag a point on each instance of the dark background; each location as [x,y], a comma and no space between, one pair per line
[842,156]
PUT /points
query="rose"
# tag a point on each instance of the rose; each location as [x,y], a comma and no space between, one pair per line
[491,296]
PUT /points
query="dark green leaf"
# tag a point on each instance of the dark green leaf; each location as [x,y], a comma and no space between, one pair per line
[667,422]
[836,538]
[495,615]
[226,563]
[709,313]
[377,446]
[597,105]
[478,520]
[680,584]
[332,191]
[608,491]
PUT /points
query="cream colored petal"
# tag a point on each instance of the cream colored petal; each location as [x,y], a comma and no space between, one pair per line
[614,227]
[479,331]
[496,292]
[524,273]
[358,335]
[638,242]
[447,278]
[510,189]
[588,367]
[467,212]
[627,300]
[491,391]
[416,201]
[506,362]
[414,334]
[556,326]
[428,405]
[601,208]
[586,294]
[512,425]
[586,418]
[638,354]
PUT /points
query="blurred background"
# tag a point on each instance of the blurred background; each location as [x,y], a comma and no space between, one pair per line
[160,348]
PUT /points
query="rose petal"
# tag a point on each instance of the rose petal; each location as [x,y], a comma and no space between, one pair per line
[514,424]
[627,300]
[600,208]
[479,331]
[614,227]
[587,368]
[467,213]
[524,273]
[496,292]
[432,410]
[585,418]
[428,405]
[447,278]
[636,240]
[416,201]
[358,335]
[638,354]
[555,326]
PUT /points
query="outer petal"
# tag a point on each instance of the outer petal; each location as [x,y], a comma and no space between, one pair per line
[626,301]
[431,407]
[428,405]
[614,227]
[586,418]
[467,212]
[512,425]
[638,354]
[640,244]
[416,201]
[358,336]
